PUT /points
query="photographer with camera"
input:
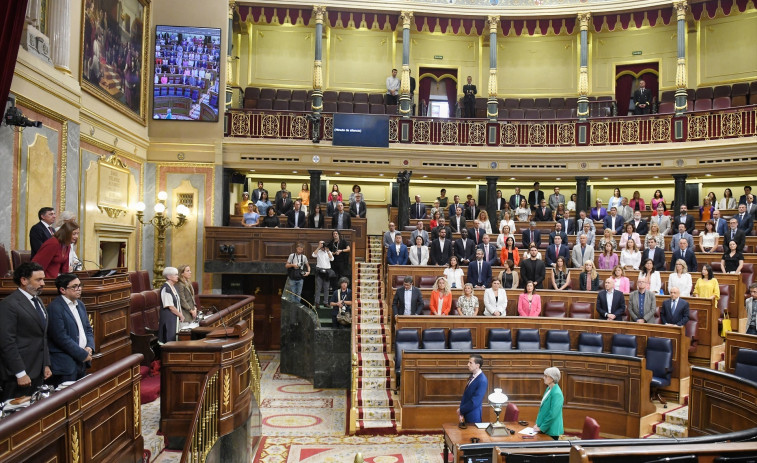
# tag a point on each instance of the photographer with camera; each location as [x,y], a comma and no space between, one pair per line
[324,274]
[297,269]
[341,305]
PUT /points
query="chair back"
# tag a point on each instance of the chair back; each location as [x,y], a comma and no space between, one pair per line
[591,429]
[555,309]
[5,262]
[404,339]
[528,339]
[511,413]
[590,342]
[581,309]
[20,256]
[624,344]
[746,364]
[434,338]
[136,313]
[557,340]
[725,299]
[499,339]
[747,276]
[427,281]
[460,338]
[660,360]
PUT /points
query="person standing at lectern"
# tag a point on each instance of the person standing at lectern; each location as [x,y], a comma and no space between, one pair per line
[549,419]
[469,98]
[474,393]
[170,312]
[642,98]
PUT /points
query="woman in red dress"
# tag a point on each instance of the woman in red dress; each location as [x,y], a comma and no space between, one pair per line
[53,255]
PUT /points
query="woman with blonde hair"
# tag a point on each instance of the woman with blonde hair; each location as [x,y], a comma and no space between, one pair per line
[467,304]
[654,233]
[441,297]
[186,293]
[483,218]
[680,278]
[621,282]
[588,280]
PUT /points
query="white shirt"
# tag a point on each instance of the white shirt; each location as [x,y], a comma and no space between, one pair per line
[323,258]
[495,302]
[454,277]
[392,83]
[609,301]
[408,299]
[75,312]
[630,258]
[683,283]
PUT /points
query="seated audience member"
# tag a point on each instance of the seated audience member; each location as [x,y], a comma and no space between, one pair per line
[356,190]
[560,274]
[332,205]
[732,260]
[532,269]
[467,304]
[607,237]
[323,273]
[662,218]
[389,235]
[629,234]
[340,249]
[532,235]
[419,231]
[685,254]
[440,249]
[418,209]
[284,204]
[70,336]
[557,250]
[507,220]
[654,234]
[588,280]
[42,230]
[682,234]
[505,233]
[588,233]
[581,252]
[490,251]
[509,251]
[637,204]
[441,225]
[341,301]
[419,253]
[734,234]
[507,276]
[479,271]
[651,275]
[708,239]
[454,274]
[251,217]
[543,213]
[611,304]
[457,220]
[434,222]
[186,293]
[407,299]
[170,311]
[707,286]
[657,199]
[523,212]
[397,254]
[675,311]
[640,225]
[745,220]
[24,350]
[296,216]
[263,204]
[270,220]
[685,219]
[641,303]
[558,231]
[441,298]
[751,310]
[529,303]
[655,254]
[598,213]
[621,282]
[316,219]
[357,208]
[464,248]
[630,257]
[680,278]
[53,255]
[341,219]
[495,300]
[613,221]
[608,259]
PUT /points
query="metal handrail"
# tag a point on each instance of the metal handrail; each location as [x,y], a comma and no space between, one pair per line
[204,431]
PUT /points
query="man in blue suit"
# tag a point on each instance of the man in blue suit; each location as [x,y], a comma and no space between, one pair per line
[721,226]
[675,311]
[611,304]
[556,250]
[614,221]
[686,254]
[532,235]
[71,339]
[475,391]
[479,271]
[396,254]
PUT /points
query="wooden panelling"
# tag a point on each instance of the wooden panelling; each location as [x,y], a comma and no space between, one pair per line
[720,403]
[733,343]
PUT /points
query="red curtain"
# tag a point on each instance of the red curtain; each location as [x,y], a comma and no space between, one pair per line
[625,77]
[424,86]
[11,26]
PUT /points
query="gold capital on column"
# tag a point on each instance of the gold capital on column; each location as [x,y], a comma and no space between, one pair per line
[320,12]
[232,8]
[583,20]
[493,23]
[680,7]
[406,16]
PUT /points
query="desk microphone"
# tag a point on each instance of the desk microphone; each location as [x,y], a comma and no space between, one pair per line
[80,264]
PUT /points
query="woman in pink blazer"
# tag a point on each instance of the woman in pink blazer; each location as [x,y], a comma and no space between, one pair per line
[529,303]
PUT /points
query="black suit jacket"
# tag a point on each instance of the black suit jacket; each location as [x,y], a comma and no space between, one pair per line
[568,226]
[65,353]
[595,284]
[680,318]
[465,250]
[453,223]
[301,220]
[414,211]
[534,198]
[532,270]
[416,302]
[747,224]
[331,208]
[739,237]
[282,208]
[471,213]
[515,201]
[23,337]
[354,212]
[38,234]
[562,235]
[435,233]
[484,279]
[493,254]
[689,258]
[437,255]
[545,216]
[643,227]
[472,235]
[689,223]
[658,260]
[526,241]
[346,222]
[644,97]
[618,305]
[311,221]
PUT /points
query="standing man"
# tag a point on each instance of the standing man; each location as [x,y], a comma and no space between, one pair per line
[23,334]
[531,235]
[613,221]
[296,217]
[543,213]
[686,219]
[734,234]
[341,220]
[675,311]
[389,235]
[474,393]
[281,192]
[323,273]
[582,252]
[408,299]
[397,254]
[419,231]
[258,192]
[679,236]
[721,225]
[441,249]
[298,268]
[568,224]
[656,254]
[624,210]
[555,199]
[392,88]
[642,99]
[685,254]
[641,303]
[42,230]
[490,251]
[532,269]
[357,209]
[455,204]
[457,221]
[663,221]
[418,209]
[746,221]
[469,98]
[465,248]
[479,271]
[69,332]
[639,224]
[332,205]
[751,310]
[611,304]
[284,204]
[557,250]
[412,91]
[535,196]
[515,199]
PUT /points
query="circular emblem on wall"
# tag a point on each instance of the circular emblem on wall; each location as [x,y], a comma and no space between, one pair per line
[316,158]
[180,156]
[584,165]
[405,162]
[494,165]
[679,162]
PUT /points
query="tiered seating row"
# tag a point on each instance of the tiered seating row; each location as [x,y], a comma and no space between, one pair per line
[705,98]
[333,101]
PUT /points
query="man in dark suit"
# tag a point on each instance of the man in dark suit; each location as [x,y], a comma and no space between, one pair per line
[746,221]
[721,224]
[341,219]
[535,196]
[613,221]
[465,248]
[543,213]
[675,311]
[418,209]
[69,332]
[333,204]
[479,271]
[611,305]
[734,234]
[687,255]
[640,225]
[457,221]
[641,303]
[441,226]
[532,235]
[357,209]
[23,334]
[558,231]
[396,254]
[469,99]
[499,201]
[284,204]
[675,239]
[474,393]
[568,225]
[657,254]
[476,232]
[256,193]
[684,218]
[296,217]
[440,249]
[490,251]
[472,210]
[747,191]
[407,304]
[515,198]
[532,269]
[455,204]
[642,99]
[280,193]
[556,250]
[42,230]
[751,207]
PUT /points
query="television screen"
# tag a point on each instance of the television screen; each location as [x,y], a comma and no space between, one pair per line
[370,130]
[187,73]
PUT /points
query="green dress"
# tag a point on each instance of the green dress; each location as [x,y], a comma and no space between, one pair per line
[549,419]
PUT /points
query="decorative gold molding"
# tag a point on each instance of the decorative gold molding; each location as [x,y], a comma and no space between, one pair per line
[583,81]
[492,83]
[226,389]
[681,78]
[583,20]
[75,445]
[680,6]
[63,159]
[493,23]
[136,400]
[36,107]
[318,77]
[407,17]
[319,11]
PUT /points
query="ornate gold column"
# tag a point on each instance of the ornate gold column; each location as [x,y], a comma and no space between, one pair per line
[406,102]
[230,78]
[583,76]
[492,110]
[317,102]
[681,72]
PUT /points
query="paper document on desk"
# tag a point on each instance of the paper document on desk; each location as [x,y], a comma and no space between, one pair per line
[529,431]
[482,425]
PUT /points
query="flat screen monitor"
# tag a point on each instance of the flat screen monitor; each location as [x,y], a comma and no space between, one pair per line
[187,73]
[370,130]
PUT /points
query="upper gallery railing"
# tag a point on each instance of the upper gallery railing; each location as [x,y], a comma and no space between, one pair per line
[736,122]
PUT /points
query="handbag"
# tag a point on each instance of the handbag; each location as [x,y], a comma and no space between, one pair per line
[726,325]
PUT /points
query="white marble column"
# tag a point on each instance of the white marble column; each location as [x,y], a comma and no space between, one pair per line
[33,12]
[60,34]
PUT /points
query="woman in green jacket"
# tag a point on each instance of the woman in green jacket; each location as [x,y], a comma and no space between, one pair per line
[549,419]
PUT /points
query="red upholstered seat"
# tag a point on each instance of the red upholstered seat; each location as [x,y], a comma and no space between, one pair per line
[426,281]
[5,261]
[376,98]
[526,103]
[152,309]
[702,105]
[541,103]
[591,429]
[557,103]
[722,102]
[296,105]
[391,109]
[721,91]
[580,309]
[329,106]
[703,93]
[136,310]
[564,113]
[283,94]
[398,281]
[299,95]
[378,108]
[281,105]
[251,92]
[554,308]
[532,113]
[747,276]
[344,107]
[267,94]
[19,257]
[265,104]
[548,114]
[345,97]
[360,97]
[516,114]
[668,96]
[134,280]
[511,103]
[666,108]
[361,108]
[144,280]
[571,102]
[330,95]
[503,113]
[512,413]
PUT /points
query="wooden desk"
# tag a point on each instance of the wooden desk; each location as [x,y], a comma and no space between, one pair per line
[720,403]
[454,437]
[733,343]
[706,452]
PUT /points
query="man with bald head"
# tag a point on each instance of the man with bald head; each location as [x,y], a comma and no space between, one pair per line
[611,305]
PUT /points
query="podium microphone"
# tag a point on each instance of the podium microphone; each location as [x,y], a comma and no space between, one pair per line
[80,264]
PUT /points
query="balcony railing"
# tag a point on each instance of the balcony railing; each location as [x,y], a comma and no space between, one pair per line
[737,122]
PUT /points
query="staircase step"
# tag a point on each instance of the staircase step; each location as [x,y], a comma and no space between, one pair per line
[376,413]
[371,328]
[376,424]
[679,416]
[374,383]
[376,360]
[374,399]
[374,372]
[670,430]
